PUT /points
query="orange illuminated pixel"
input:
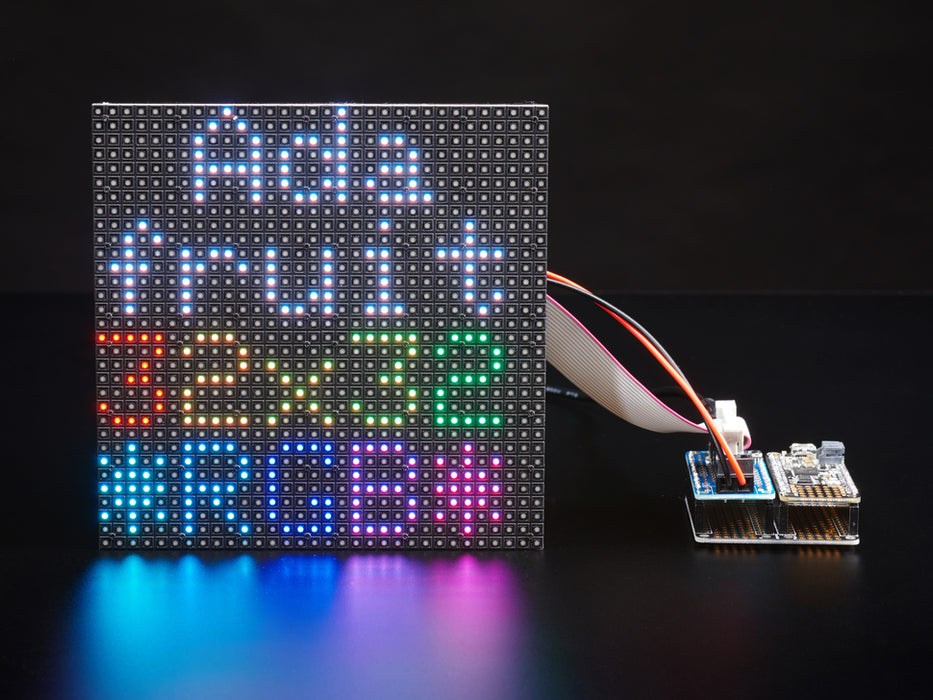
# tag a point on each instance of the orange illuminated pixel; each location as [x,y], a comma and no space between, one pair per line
[203,399]
[133,394]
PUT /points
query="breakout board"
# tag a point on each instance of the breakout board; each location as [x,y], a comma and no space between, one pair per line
[805,496]
[320,326]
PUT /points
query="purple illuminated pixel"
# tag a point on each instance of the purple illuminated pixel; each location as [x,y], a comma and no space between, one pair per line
[343,313]
[452,487]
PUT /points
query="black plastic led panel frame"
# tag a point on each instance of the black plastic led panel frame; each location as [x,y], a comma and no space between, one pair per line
[320,326]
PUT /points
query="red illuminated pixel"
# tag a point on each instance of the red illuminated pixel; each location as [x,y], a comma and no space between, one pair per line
[131,379]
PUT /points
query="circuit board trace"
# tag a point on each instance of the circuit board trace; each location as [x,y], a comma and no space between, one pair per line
[802,496]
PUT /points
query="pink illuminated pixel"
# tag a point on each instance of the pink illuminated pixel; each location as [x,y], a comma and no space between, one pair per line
[320,326]
[458,489]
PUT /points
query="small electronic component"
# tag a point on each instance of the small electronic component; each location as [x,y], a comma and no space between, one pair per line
[734,430]
[805,496]
[706,478]
[817,500]
[726,479]
[721,513]
[810,476]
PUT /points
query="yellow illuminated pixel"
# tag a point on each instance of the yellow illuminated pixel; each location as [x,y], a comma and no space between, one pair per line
[215,398]
[389,397]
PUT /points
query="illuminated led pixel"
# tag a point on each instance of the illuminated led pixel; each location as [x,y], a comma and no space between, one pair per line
[320,326]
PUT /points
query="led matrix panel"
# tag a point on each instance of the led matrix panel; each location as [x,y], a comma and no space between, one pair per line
[320,326]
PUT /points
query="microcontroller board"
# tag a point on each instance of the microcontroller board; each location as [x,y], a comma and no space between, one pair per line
[804,495]
[807,475]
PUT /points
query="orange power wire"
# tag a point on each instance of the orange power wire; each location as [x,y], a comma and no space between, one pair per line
[707,418]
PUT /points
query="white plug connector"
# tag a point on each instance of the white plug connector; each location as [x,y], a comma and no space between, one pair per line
[731,425]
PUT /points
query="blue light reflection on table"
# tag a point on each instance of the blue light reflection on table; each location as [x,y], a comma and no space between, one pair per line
[297,626]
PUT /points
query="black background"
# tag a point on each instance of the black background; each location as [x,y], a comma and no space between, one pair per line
[694,146]
[736,146]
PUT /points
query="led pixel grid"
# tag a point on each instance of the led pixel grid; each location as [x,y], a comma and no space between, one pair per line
[320,326]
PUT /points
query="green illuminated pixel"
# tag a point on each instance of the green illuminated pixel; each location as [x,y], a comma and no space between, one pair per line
[320,326]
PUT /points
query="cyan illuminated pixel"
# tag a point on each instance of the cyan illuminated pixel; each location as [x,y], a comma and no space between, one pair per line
[320,326]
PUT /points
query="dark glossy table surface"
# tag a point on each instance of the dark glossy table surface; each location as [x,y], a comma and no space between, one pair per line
[620,603]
